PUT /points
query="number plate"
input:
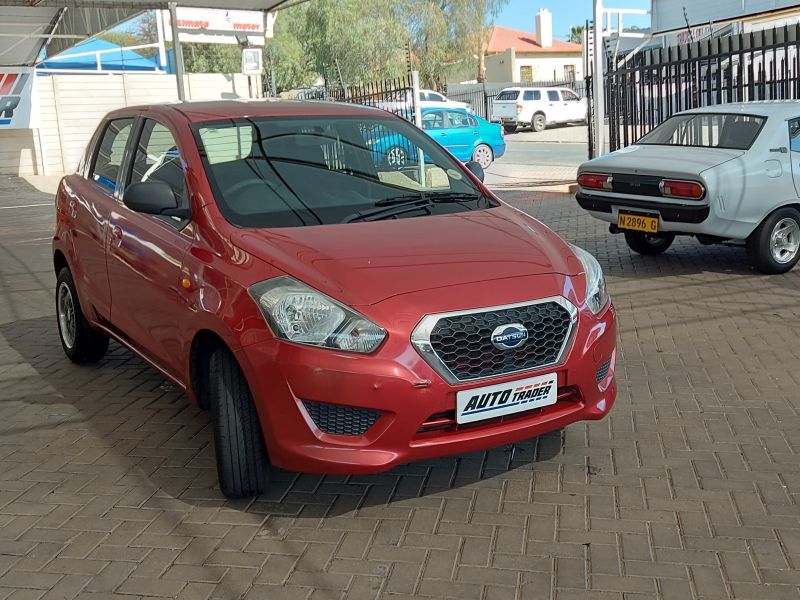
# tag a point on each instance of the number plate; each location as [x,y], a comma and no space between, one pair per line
[506,398]
[637,222]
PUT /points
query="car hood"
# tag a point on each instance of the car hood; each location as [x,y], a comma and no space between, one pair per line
[368,262]
[661,160]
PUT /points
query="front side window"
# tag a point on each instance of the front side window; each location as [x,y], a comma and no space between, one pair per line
[157,159]
[569,96]
[110,151]
[707,130]
[434,97]
[293,172]
[433,120]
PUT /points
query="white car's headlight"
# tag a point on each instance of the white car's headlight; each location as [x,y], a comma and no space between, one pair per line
[596,292]
[298,313]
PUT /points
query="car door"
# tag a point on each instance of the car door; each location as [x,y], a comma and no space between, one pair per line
[531,101]
[462,132]
[90,206]
[574,109]
[435,125]
[794,152]
[146,253]
[555,110]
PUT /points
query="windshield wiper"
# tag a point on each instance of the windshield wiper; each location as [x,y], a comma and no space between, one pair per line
[397,205]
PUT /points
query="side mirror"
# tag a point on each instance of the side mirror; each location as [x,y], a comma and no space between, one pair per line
[475,169]
[153,198]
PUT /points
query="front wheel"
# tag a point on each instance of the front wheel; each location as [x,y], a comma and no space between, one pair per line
[649,244]
[774,247]
[539,122]
[80,342]
[483,155]
[242,462]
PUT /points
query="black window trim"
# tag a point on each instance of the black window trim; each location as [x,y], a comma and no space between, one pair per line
[96,150]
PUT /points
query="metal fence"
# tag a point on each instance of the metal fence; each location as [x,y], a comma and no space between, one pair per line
[643,90]
[395,95]
[480,96]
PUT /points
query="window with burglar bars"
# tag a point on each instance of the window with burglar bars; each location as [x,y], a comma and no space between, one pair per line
[647,88]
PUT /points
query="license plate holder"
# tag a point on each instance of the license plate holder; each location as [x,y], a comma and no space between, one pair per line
[637,221]
[490,401]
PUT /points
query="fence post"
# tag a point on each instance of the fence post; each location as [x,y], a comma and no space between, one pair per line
[418,123]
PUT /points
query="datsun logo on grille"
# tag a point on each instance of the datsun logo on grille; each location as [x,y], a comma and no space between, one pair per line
[508,337]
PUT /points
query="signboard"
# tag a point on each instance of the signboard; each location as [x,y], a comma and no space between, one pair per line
[16,97]
[216,26]
[252,61]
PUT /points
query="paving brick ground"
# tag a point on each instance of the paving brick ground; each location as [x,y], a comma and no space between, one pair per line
[689,489]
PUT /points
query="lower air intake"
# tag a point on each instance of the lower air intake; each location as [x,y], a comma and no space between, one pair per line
[602,371]
[337,419]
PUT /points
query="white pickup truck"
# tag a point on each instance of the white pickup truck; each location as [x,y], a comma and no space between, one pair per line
[537,108]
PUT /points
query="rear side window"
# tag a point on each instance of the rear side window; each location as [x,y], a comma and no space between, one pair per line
[507,95]
[532,95]
[552,95]
[108,158]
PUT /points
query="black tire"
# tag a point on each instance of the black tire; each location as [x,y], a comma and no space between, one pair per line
[80,342]
[760,242]
[242,462]
[510,128]
[649,244]
[539,122]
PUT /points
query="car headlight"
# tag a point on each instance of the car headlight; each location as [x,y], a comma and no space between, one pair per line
[596,292]
[298,313]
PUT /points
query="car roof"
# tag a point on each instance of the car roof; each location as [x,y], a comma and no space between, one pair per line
[200,111]
[766,108]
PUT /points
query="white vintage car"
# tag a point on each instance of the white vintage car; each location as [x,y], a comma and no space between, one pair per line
[720,173]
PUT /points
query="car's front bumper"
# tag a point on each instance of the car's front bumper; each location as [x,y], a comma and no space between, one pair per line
[416,405]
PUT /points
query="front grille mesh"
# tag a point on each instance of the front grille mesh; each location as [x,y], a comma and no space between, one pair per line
[337,419]
[463,342]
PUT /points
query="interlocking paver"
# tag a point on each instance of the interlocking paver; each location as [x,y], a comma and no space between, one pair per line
[690,488]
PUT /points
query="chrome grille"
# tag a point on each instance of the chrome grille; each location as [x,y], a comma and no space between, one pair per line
[459,347]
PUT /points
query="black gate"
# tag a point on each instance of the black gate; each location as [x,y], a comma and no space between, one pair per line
[395,95]
[642,90]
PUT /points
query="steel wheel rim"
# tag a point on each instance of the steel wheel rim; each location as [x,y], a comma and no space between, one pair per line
[66,315]
[539,121]
[483,156]
[396,157]
[785,240]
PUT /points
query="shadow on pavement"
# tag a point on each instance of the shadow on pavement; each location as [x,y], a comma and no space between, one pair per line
[151,437]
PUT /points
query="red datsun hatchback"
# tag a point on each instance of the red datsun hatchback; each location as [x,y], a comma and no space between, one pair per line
[336,312]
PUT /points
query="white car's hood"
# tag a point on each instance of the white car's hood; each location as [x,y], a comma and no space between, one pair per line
[660,160]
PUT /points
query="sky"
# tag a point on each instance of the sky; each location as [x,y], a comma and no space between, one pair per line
[521,14]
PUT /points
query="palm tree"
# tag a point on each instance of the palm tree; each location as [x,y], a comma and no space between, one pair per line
[576,34]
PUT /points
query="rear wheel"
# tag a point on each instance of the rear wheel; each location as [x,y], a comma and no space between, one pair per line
[242,462]
[539,122]
[774,247]
[649,244]
[510,128]
[80,342]
[483,155]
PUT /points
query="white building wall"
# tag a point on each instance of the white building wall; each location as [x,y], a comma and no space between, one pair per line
[71,106]
[548,68]
[667,15]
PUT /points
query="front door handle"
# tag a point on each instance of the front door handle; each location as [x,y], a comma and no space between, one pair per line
[116,235]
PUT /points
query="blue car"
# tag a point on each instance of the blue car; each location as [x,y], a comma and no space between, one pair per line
[466,136]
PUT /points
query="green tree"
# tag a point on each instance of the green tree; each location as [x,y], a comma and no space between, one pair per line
[285,55]
[576,34]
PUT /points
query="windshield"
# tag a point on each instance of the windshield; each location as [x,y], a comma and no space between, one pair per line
[292,172]
[707,130]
